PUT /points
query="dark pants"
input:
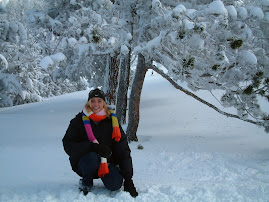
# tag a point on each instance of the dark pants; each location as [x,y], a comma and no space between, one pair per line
[88,166]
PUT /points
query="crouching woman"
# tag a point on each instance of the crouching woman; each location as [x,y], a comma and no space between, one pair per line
[98,148]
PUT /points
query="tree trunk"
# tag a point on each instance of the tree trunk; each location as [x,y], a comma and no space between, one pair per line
[121,105]
[134,101]
[111,80]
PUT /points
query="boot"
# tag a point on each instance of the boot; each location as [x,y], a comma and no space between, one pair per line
[85,187]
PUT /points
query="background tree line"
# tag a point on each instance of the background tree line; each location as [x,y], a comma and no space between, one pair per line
[49,48]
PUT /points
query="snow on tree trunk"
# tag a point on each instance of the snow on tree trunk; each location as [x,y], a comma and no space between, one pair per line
[134,102]
[121,105]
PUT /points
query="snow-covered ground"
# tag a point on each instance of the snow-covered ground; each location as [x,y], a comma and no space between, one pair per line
[191,153]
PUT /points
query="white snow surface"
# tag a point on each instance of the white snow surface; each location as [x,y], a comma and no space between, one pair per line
[46,62]
[242,12]
[72,42]
[58,57]
[217,7]
[191,152]
[249,57]
[124,49]
[3,63]
[256,12]
[232,12]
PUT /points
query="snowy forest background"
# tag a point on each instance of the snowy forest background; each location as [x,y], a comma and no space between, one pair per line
[53,47]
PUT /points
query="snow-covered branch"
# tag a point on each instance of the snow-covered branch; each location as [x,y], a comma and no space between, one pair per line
[159,71]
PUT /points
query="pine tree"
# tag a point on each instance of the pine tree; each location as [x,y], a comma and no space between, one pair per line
[210,45]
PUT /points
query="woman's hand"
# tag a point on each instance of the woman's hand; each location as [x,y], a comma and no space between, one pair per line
[102,150]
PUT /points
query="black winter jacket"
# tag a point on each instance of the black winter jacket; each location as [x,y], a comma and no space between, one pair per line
[76,144]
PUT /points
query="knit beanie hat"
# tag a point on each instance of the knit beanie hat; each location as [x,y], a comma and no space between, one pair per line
[96,93]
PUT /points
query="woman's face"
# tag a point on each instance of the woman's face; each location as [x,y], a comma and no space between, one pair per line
[96,104]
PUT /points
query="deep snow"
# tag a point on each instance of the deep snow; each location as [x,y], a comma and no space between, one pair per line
[191,153]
